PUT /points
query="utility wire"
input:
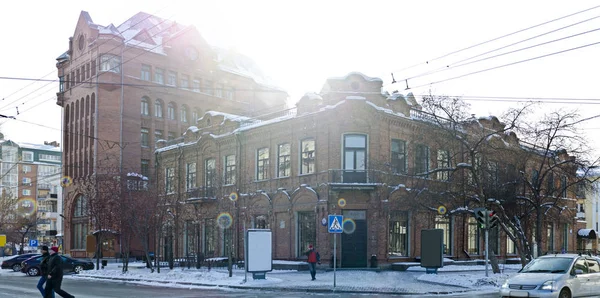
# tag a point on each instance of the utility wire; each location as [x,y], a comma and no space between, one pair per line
[508,64]
[459,64]
[497,38]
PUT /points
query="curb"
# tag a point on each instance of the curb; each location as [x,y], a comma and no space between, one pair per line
[279,289]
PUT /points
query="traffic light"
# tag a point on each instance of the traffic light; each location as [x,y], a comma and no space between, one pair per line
[492,220]
[480,216]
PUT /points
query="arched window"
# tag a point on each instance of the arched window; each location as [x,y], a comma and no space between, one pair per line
[79,223]
[145,106]
[195,115]
[183,112]
[158,110]
[171,111]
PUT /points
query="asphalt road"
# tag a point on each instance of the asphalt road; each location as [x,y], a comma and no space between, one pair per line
[21,286]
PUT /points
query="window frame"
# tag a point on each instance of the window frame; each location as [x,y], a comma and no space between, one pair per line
[110,63]
[229,169]
[308,156]
[284,161]
[262,164]
[145,72]
[398,158]
[190,176]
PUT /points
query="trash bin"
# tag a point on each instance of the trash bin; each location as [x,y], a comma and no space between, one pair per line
[104,263]
[373,261]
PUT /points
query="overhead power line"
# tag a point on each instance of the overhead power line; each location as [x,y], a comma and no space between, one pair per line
[497,38]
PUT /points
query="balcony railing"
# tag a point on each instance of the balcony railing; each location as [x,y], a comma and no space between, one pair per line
[353,176]
[201,192]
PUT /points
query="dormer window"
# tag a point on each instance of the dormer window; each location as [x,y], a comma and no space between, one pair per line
[355,86]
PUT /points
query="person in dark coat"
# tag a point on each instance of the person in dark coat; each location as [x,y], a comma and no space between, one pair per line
[55,275]
[44,271]
[313,259]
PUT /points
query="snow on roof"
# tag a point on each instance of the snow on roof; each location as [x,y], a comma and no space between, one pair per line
[39,147]
[356,73]
[242,65]
[385,110]
[354,97]
[227,116]
[586,232]
[312,96]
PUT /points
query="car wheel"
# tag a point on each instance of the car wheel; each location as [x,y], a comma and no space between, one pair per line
[16,267]
[78,269]
[33,271]
[564,293]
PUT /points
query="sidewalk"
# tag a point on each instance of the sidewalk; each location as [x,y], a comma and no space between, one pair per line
[347,281]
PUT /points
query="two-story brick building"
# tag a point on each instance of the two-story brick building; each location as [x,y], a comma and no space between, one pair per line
[349,150]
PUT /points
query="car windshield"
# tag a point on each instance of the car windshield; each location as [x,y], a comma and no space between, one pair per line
[548,265]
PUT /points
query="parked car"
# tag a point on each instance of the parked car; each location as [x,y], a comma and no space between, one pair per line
[31,266]
[14,263]
[557,275]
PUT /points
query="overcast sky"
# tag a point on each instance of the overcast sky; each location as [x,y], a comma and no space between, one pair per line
[301,43]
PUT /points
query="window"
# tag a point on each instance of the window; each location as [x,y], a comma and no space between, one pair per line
[145,73]
[219,90]
[306,230]
[190,177]
[593,266]
[262,164]
[27,156]
[535,176]
[80,223]
[307,156]
[77,76]
[195,115]
[473,237]
[398,156]
[145,167]
[145,106]
[158,135]
[550,236]
[208,87]
[443,222]
[563,186]
[26,192]
[209,237]
[229,93]
[550,182]
[184,114]
[228,241]
[159,76]
[26,181]
[26,168]
[61,84]
[511,249]
[171,111]
[170,180]
[158,112]
[260,222]
[209,175]
[422,160]
[196,85]
[229,169]
[355,158]
[49,157]
[171,78]
[283,160]
[110,63]
[185,79]
[93,67]
[68,83]
[443,162]
[145,138]
[398,245]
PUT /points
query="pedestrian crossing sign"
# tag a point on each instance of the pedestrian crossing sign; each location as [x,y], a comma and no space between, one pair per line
[335,224]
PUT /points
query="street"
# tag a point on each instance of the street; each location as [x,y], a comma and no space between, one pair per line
[21,286]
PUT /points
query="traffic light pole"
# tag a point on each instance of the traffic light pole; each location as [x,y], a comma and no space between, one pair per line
[487,245]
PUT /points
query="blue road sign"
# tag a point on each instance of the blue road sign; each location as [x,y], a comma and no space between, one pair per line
[33,243]
[334,225]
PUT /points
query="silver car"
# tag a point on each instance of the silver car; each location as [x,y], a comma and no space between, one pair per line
[558,275]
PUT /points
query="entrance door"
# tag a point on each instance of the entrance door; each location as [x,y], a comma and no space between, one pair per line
[354,239]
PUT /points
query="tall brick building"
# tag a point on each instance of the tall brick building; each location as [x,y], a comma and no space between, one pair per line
[124,87]
[350,150]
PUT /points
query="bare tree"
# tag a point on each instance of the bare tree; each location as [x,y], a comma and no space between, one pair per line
[8,211]
[490,163]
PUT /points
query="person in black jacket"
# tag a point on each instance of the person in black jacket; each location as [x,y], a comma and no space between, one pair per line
[44,271]
[55,275]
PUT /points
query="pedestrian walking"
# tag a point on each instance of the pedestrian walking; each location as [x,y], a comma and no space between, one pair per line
[55,275]
[313,258]
[44,271]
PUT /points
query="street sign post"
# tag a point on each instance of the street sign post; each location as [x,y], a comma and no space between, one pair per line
[334,226]
[33,242]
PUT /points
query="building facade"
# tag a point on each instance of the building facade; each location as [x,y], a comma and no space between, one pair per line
[124,87]
[31,173]
[349,150]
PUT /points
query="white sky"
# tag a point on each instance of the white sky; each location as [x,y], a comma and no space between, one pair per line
[301,43]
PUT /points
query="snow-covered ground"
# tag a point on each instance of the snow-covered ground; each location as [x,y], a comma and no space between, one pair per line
[450,278]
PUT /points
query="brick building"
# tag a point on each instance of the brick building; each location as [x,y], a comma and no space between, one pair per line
[159,67]
[349,150]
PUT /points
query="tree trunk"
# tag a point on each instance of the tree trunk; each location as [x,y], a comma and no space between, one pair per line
[494,262]
[538,231]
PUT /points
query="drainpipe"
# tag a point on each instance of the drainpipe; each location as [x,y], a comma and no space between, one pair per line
[121,118]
